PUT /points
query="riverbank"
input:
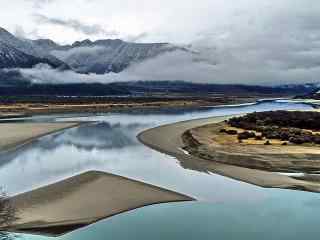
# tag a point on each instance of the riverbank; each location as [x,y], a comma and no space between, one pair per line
[82,200]
[168,139]
[20,108]
[15,135]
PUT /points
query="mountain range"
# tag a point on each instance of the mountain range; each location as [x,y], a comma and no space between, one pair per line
[101,56]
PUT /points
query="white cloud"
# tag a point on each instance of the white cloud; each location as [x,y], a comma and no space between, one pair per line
[83,51]
[243,41]
[184,66]
[44,74]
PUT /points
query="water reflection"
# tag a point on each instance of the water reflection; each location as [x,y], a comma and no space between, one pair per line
[109,144]
[98,136]
[244,211]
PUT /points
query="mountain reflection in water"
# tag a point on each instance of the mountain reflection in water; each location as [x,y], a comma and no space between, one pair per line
[109,144]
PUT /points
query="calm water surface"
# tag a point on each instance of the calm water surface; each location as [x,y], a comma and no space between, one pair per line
[228,209]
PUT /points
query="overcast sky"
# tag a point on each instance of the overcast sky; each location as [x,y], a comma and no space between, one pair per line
[175,21]
[251,41]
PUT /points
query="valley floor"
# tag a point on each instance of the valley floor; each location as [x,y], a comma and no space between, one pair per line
[17,107]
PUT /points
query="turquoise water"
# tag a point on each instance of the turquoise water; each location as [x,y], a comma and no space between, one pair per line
[288,215]
[228,209]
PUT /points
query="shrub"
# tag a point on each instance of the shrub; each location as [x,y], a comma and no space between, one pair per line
[293,119]
[246,135]
[283,125]
[297,140]
[232,132]
[316,139]
[223,130]
[259,137]
[267,143]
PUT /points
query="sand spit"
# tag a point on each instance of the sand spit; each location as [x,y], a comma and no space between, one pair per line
[168,139]
[82,200]
[14,135]
[209,143]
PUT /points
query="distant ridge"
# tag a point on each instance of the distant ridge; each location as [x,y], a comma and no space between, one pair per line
[101,56]
[11,57]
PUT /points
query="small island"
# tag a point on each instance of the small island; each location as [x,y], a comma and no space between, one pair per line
[285,126]
[281,141]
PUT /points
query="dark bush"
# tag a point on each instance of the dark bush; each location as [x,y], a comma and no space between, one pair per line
[223,130]
[259,137]
[294,119]
[267,143]
[283,125]
[295,131]
[316,139]
[284,135]
[232,132]
[271,134]
[246,135]
[296,140]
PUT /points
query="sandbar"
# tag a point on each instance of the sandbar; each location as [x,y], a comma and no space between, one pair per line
[168,139]
[81,200]
[15,135]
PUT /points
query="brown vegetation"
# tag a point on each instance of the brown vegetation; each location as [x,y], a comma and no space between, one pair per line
[294,127]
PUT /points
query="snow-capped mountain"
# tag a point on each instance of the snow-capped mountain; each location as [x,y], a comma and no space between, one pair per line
[28,47]
[10,57]
[105,56]
[101,56]
[18,43]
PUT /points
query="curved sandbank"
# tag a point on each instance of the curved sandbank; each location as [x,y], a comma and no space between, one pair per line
[209,143]
[168,139]
[15,135]
[82,200]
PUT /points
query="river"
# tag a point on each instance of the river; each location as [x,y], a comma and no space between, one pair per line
[227,209]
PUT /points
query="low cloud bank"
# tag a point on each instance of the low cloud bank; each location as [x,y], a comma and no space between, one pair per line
[176,65]
[195,67]
[84,52]
[44,74]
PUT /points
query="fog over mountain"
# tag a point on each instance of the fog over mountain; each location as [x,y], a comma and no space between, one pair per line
[44,61]
[266,42]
